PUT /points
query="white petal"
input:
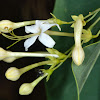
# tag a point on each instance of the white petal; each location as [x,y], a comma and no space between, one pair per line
[46,40]
[29,42]
[39,23]
[58,27]
[45,27]
[32,29]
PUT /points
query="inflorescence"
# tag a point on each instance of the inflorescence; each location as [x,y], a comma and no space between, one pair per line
[54,58]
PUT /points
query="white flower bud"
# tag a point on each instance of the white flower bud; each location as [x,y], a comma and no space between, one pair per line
[78,52]
[6,26]
[9,59]
[13,74]
[78,55]
[26,89]
[7,56]
[3,53]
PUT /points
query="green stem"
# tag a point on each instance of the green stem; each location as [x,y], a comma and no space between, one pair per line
[91,17]
[94,23]
[25,23]
[58,21]
[63,61]
[49,32]
[19,37]
[21,24]
[63,22]
[91,13]
[52,66]
[35,82]
[95,36]
[29,67]
[13,44]
[69,49]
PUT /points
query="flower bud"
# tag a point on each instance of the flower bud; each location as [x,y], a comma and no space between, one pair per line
[3,53]
[25,89]
[7,56]
[78,55]
[13,74]
[6,26]
[9,59]
[78,52]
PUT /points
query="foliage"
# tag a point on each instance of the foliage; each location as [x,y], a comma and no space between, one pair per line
[62,86]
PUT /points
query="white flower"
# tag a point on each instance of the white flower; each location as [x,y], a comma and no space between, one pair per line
[39,27]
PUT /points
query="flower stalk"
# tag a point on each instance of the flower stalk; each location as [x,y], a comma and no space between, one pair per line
[27,88]
[25,54]
[55,33]
[14,73]
[9,56]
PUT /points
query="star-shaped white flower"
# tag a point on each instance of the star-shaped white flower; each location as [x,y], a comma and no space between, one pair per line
[39,27]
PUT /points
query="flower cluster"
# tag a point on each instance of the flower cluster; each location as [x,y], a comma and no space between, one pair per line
[54,58]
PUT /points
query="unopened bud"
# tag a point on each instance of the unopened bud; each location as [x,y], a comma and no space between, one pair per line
[78,52]
[13,74]
[7,26]
[7,56]
[3,53]
[9,59]
[78,55]
[26,89]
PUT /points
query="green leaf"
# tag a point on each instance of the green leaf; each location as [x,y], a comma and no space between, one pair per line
[82,72]
[61,85]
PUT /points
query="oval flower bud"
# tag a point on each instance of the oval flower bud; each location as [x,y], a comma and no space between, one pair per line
[26,89]
[3,53]
[7,26]
[9,59]
[13,74]
[78,55]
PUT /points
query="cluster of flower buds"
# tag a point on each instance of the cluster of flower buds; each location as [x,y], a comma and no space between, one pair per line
[13,73]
